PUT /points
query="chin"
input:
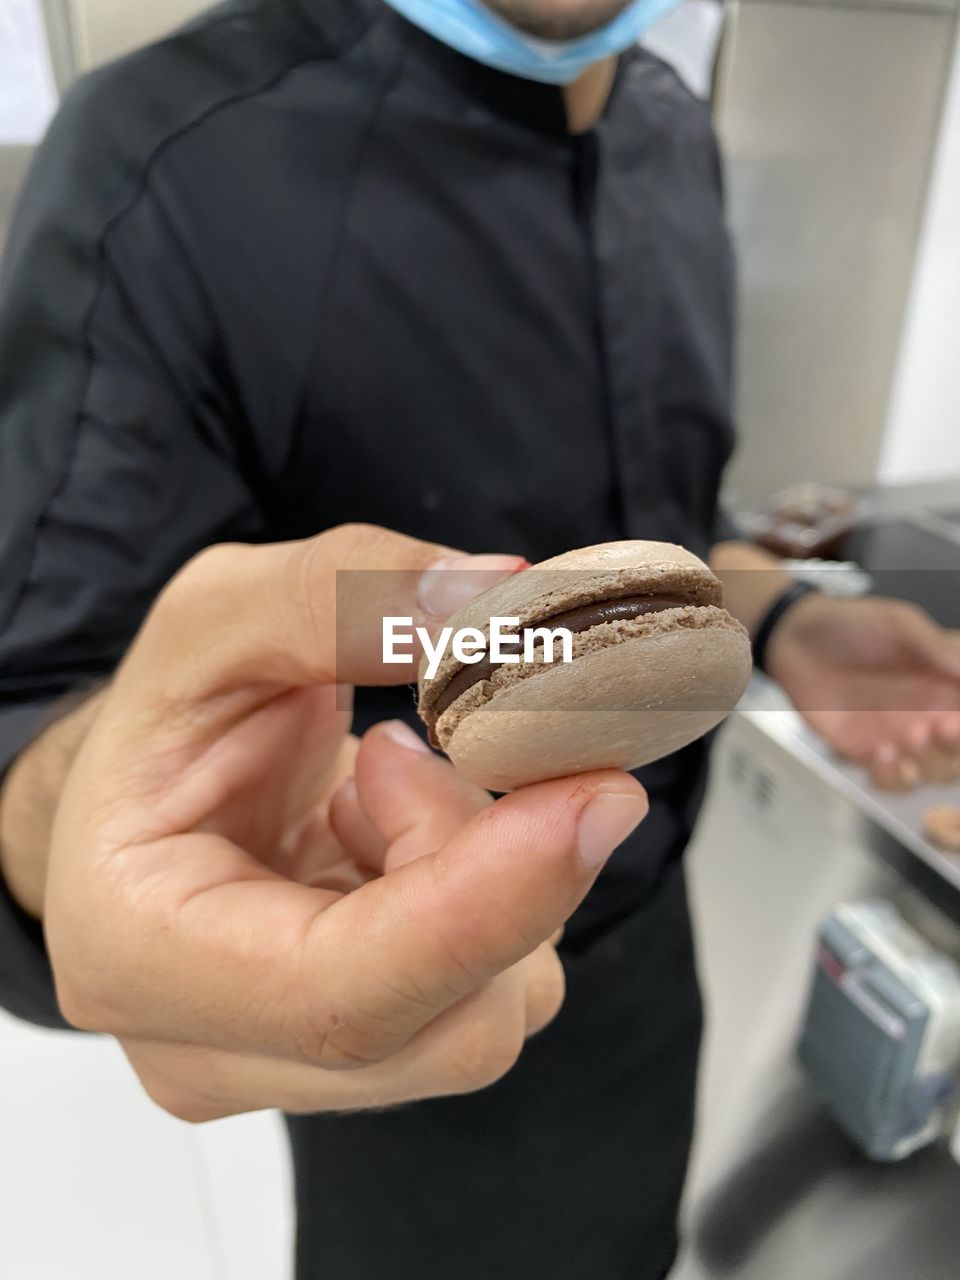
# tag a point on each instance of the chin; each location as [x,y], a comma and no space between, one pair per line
[558,19]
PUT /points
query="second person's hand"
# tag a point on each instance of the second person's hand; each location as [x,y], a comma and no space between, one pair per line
[877,678]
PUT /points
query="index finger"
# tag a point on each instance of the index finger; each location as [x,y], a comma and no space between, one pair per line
[299,613]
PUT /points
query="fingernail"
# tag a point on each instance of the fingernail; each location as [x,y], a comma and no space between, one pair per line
[605,823]
[450,584]
[910,772]
[346,793]
[403,736]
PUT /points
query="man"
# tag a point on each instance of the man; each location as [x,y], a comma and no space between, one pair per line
[315,262]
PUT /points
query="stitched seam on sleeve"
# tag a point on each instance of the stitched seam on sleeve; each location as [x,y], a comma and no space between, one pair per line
[62,479]
[389,85]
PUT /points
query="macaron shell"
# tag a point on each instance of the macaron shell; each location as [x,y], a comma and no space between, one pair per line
[618,707]
[575,578]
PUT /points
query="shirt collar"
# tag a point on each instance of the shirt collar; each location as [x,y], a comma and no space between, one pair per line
[525,102]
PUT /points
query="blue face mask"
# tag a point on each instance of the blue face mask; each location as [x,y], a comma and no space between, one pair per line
[471,28]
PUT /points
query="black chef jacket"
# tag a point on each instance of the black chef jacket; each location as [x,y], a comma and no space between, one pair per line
[300,264]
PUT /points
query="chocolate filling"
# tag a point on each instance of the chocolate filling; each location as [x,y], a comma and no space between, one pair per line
[576,620]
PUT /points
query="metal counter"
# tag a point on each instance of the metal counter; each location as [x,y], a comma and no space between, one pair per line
[777,1191]
[909,545]
[888,824]
[14,162]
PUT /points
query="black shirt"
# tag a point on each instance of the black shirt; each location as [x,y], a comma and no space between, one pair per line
[300,264]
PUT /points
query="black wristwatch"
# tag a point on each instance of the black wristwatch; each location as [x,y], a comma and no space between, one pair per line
[782,605]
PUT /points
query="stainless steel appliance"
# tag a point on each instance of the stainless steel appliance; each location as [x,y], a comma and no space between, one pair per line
[790,833]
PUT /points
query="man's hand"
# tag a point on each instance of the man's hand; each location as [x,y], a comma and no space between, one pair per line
[29,796]
[269,915]
[878,679]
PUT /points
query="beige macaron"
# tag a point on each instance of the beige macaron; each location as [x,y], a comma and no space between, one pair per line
[656,663]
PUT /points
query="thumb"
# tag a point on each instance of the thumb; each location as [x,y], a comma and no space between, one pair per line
[931,644]
[438,928]
[222,952]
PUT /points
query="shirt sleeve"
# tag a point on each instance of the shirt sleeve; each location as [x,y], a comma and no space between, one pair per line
[118,439]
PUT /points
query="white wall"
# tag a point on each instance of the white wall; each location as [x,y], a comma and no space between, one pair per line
[688,38]
[27,93]
[923,431]
[104,29]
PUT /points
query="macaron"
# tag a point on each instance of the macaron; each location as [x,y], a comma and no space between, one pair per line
[942,825]
[656,662]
